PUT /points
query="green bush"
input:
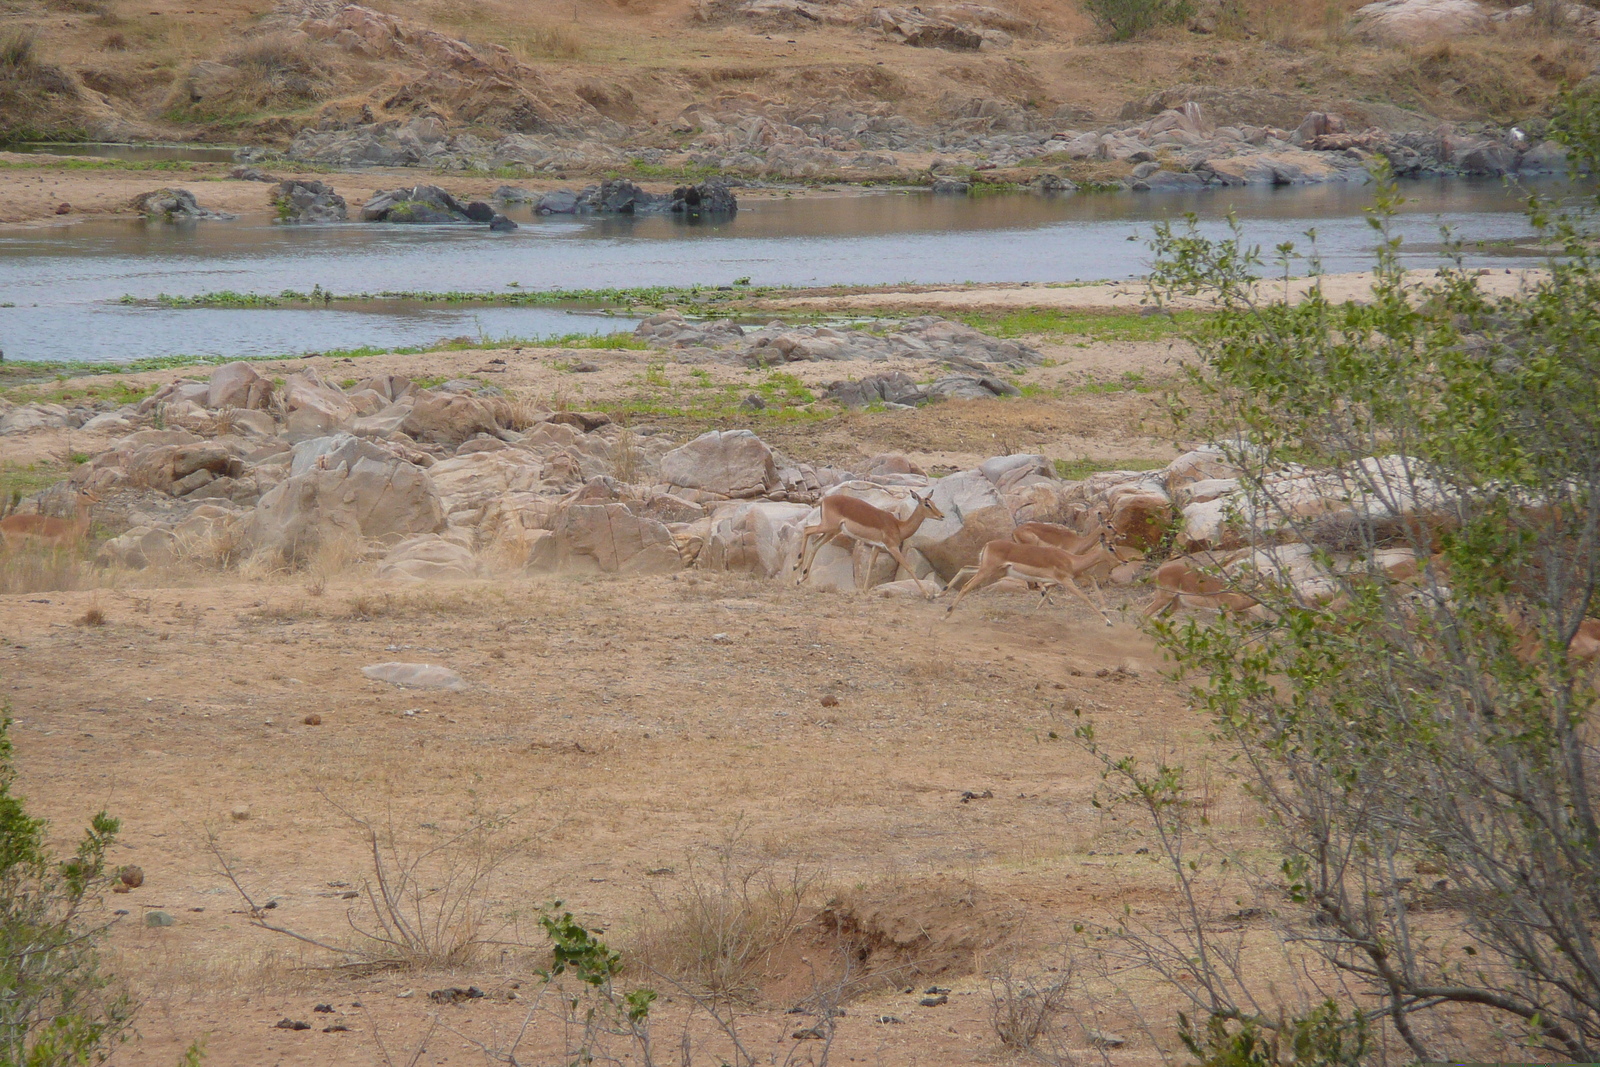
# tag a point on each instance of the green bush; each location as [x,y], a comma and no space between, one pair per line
[56,1007]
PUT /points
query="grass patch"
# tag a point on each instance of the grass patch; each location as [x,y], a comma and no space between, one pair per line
[18,480]
[1075,470]
[1054,323]
[1130,382]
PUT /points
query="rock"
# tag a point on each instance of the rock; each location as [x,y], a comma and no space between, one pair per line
[713,197]
[975,514]
[911,26]
[1317,124]
[387,499]
[756,537]
[140,547]
[1104,1039]
[315,407]
[131,876]
[173,205]
[28,417]
[415,676]
[617,196]
[607,538]
[478,211]
[951,187]
[418,204]
[510,194]
[450,418]
[560,202]
[967,387]
[252,174]
[896,387]
[1141,513]
[237,385]
[307,201]
[732,463]
[501,224]
[1198,465]
[158,919]
[1546,158]
[1417,21]
[428,558]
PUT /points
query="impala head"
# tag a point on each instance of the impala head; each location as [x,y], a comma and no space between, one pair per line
[925,503]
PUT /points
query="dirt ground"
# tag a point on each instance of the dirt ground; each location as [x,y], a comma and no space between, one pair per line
[628,727]
[645,741]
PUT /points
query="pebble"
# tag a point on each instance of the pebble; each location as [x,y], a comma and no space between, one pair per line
[158,918]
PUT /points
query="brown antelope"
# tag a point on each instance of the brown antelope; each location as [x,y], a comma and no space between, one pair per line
[16,529]
[1041,563]
[1066,538]
[848,516]
[1184,582]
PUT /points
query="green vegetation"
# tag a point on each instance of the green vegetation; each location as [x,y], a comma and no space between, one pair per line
[644,297]
[1074,470]
[1417,748]
[58,1009]
[1057,324]
[1129,382]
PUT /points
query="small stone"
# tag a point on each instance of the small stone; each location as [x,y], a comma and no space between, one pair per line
[585,367]
[830,701]
[721,639]
[240,812]
[132,877]
[934,1002]
[292,1024]
[312,720]
[63,209]
[326,1009]
[753,403]
[336,1028]
[1104,1039]
[891,1020]
[158,918]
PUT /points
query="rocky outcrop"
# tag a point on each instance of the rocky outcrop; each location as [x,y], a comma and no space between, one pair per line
[729,463]
[925,338]
[1416,21]
[370,498]
[308,201]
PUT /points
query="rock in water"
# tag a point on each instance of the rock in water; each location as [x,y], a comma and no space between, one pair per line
[712,197]
[415,676]
[501,224]
[299,201]
[617,196]
[478,211]
[419,204]
[173,204]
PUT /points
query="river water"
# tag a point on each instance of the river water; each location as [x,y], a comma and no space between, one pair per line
[63,284]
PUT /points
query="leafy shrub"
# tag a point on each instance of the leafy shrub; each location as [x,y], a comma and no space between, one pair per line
[56,1007]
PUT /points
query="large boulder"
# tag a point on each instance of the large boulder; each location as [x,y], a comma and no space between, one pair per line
[1141,514]
[1417,21]
[315,407]
[450,418]
[307,201]
[418,204]
[428,558]
[178,469]
[606,538]
[711,198]
[173,205]
[237,385]
[618,196]
[34,417]
[757,537]
[730,463]
[975,514]
[382,499]
[468,483]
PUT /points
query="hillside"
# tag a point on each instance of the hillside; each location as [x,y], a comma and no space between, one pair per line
[715,77]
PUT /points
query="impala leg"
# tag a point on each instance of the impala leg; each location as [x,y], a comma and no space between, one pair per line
[983,577]
[901,559]
[805,537]
[865,580]
[1072,585]
[1164,602]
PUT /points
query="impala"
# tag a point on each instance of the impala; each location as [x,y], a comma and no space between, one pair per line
[848,516]
[1186,582]
[1066,538]
[1040,563]
[15,529]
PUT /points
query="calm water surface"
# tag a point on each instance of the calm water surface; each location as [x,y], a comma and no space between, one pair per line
[63,281]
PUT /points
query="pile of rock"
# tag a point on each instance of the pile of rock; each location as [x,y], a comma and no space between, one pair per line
[927,337]
[429,204]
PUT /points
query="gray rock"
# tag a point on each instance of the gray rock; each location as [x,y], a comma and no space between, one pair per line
[560,202]
[510,194]
[1166,181]
[500,224]
[173,205]
[418,204]
[711,197]
[478,211]
[951,187]
[731,463]
[618,196]
[301,201]
[415,676]
[158,918]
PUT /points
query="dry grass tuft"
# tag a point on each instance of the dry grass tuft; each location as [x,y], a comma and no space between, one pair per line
[732,916]
[1025,1012]
[92,617]
[37,567]
[271,72]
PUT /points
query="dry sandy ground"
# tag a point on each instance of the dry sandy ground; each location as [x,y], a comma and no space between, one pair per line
[626,738]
